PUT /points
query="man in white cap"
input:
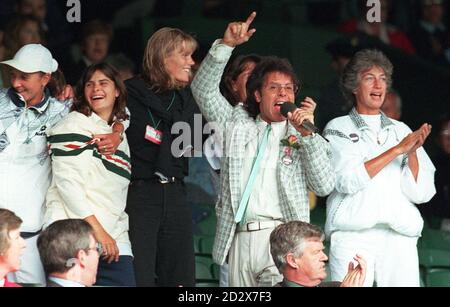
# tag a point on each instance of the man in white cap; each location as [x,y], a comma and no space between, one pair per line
[26,112]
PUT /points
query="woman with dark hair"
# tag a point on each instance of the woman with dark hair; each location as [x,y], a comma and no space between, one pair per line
[90,183]
[381,172]
[160,219]
[235,76]
[233,88]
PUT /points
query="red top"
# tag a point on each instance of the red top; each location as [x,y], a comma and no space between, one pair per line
[397,38]
[9,284]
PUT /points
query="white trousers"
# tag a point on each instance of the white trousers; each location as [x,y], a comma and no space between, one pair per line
[392,258]
[250,261]
[31,270]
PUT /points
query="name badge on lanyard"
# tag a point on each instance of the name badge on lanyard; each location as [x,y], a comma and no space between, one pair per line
[153,135]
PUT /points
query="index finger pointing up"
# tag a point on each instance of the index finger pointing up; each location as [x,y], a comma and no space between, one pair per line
[250,18]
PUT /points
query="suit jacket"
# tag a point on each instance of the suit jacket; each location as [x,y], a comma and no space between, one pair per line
[52,284]
[323,284]
[311,167]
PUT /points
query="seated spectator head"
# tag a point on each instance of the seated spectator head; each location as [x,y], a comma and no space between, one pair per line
[31,70]
[36,8]
[22,30]
[235,76]
[168,62]
[297,251]
[68,250]
[392,105]
[272,82]
[12,245]
[124,66]
[443,138]
[343,49]
[433,11]
[96,38]
[358,83]
[101,91]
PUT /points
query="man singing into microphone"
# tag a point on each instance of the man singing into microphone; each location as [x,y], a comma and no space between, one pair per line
[269,161]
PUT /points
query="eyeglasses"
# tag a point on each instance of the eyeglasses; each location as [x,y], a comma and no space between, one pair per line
[445,132]
[276,87]
[98,247]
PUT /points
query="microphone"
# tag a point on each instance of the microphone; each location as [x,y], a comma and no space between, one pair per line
[287,107]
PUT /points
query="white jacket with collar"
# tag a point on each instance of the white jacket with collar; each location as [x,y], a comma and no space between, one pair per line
[359,202]
[84,181]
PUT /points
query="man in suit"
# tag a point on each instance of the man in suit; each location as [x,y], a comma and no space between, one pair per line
[69,253]
[256,197]
[297,250]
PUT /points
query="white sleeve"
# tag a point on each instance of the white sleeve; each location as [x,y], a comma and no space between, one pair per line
[422,190]
[206,85]
[71,158]
[348,163]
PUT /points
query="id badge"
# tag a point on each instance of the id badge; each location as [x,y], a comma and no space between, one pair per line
[153,135]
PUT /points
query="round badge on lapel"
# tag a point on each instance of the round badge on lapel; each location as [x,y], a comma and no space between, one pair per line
[354,137]
[4,142]
[287,160]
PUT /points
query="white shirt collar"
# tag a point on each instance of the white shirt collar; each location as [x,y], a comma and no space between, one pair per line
[98,119]
[277,127]
[431,27]
[87,61]
[66,282]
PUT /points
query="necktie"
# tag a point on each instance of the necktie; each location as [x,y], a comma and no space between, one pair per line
[251,179]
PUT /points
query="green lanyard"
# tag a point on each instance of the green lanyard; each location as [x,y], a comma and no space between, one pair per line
[155,125]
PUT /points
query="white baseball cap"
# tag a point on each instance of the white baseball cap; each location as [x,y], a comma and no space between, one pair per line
[33,58]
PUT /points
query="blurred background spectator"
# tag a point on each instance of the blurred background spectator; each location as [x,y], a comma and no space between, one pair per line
[125,66]
[20,31]
[430,36]
[331,102]
[386,32]
[94,45]
[439,207]
[392,105]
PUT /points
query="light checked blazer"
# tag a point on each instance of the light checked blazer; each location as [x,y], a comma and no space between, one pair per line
[311,168]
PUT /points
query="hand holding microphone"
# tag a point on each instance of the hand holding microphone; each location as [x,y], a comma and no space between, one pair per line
[301,118]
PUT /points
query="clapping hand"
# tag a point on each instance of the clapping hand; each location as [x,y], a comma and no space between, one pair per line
[356,275]
[414,140]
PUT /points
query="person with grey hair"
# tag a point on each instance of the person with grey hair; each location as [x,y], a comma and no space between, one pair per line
[381,172]
[297,250]
[69,253]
